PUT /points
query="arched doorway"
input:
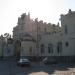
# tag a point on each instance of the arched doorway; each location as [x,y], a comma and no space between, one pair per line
[17,48]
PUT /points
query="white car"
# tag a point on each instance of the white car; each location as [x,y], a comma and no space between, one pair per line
[23,62]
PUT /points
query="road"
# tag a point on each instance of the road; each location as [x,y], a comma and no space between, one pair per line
[11,68]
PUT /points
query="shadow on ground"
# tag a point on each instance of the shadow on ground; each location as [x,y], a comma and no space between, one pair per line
[50,69]
[34,69]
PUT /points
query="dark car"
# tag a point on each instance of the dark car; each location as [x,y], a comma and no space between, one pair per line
[23,62]
[49,61]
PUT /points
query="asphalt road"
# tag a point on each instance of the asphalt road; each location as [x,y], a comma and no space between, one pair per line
[11,68]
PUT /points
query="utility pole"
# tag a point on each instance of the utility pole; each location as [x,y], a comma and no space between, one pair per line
[37,38]
[2,46]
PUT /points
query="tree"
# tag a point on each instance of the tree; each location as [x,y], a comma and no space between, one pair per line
[7,35]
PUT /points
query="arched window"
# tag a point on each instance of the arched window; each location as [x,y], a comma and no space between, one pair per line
[50,48]
[42,48]
[59,47]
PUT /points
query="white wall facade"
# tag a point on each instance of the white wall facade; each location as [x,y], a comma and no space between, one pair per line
[28,48]
[68,26]
[67,37]
[62,43]
[50,39]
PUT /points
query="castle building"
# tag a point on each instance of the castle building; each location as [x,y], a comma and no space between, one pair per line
[43,39]
[26,25]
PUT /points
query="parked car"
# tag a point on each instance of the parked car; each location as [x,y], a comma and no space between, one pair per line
[47,60]
[23,62]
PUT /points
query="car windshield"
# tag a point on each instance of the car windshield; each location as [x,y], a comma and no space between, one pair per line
[24,60]
[45,59]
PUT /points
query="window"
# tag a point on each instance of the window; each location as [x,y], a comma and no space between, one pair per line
[66,29]
[30,50]
[50,48]
[42,48]
[66,44]
[59,47]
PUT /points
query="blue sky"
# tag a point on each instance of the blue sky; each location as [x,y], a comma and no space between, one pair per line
[46,10]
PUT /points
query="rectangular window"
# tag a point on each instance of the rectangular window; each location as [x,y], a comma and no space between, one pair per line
[42,49]
[50,48]
[59,47]
[66,31]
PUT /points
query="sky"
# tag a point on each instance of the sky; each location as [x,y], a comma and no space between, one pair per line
[46,10]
